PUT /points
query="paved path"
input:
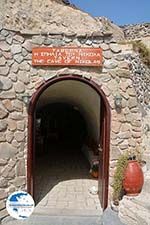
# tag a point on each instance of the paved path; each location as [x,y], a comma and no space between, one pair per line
[136,210]
[58,220]
[63,182]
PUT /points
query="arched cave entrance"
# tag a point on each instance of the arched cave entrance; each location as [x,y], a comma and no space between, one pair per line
[69,121]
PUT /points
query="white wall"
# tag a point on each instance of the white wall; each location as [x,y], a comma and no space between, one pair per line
[80,95]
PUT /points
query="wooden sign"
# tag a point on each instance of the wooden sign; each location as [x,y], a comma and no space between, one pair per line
[67,56]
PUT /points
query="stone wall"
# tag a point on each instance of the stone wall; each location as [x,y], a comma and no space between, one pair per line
[136,31]
[18,77]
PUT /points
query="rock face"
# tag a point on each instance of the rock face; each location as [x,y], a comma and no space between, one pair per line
[110,27]
[136,31]
[54,16]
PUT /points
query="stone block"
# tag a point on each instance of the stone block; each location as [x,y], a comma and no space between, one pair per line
[7,55]
[8,105]
[4,32]
[12,125]
[18,58]
[15,67]
[18,38]
[136,134]
[7,151]
[17,105]
[16,116]
[24,66]
[2,61]
[9,136]
[3,182]
[132,142]
[115,126]
[5,83]
[3,213]
[8,172]
[104,46]
[125,127]
[19,136]
[107,54]
[24,52]
[9,39]
[16,48]
[20,168]
[38,39]
[132,102]
[122,73]
[3,162]
[27,45]
[125,135]
[110,64]
[23,77]
[115,153]
[123,65]
[3,125]
[21,125]
[136,123]
[115,48]
[13,77]
[4,70]
[2,204]
[124,86]
[19,87]
[3,112]
[19,181]
[3,194]
[15,144]
[10,62]
[4,46]
[2,137]
[131,92]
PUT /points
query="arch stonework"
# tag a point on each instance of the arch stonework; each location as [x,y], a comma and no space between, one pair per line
[19,78]
[106,150]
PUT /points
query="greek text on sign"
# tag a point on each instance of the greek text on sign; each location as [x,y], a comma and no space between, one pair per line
[67,56]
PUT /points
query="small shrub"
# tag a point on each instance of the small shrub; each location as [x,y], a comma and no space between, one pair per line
[143,51]
[118,177]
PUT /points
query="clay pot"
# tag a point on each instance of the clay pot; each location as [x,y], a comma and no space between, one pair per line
[95,174]
[133,178]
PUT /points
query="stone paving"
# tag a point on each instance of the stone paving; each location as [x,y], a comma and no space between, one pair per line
[136,210]
[63,182]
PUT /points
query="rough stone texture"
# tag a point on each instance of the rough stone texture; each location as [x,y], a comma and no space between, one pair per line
[8,105]
[17,105]
[135,210]
[20,169]
[3,184]
[19,136]
[15,49]
[117,32]
[53,17]
[141,80]
[12,125]
[3,112]
[7,151]
[19,87]
[136,31]
[19,181]
[5,83]
[3,125]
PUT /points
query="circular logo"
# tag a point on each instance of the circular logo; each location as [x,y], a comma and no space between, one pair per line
[20,205]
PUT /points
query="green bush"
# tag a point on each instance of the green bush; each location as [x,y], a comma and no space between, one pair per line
[143,51]
[119,176]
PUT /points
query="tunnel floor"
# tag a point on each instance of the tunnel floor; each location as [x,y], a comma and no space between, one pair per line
[62,181]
